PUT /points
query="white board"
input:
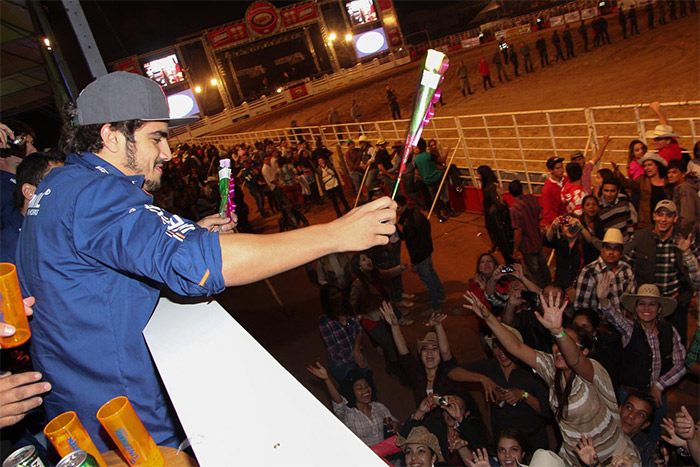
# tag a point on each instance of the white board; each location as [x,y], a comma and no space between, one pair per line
[237,404]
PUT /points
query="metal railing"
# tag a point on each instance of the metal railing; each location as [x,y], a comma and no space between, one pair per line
[515,145]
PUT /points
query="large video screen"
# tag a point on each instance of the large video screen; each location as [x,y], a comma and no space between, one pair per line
[361,11]
[164,71]
[370,42]
[182,104]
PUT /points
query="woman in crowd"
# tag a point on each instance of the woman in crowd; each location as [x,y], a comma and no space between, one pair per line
[420,448]
[653,357]
[353,404]
[496,215]
[581,395]
[637,150]
[429,375]
[591,221]
[600,175]
[512,450]
[568,238]
[519,401]
[341,333]
[368,292]
[651,187]
[489,283]
[607,345]
[306,167]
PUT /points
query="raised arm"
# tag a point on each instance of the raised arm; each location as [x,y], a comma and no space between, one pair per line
[551,318]
[436,320]
[390,317]
[616,317]
[656,107]
[601,150]
[320,372]
[249,258]
[512,344]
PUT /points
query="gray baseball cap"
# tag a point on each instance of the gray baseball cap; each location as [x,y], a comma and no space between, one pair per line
[122,96]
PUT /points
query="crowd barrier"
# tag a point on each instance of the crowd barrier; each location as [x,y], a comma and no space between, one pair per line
[515,145]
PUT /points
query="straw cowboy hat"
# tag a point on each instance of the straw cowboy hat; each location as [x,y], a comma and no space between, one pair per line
[652,156]
[421,435]
[363,138]
[489,339]
[667,304]
[576,154]
[381,142]
[430,338]
[613,235]
[545,458]
[661,131]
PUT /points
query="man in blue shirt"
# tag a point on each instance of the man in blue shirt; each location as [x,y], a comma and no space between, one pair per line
[95,251]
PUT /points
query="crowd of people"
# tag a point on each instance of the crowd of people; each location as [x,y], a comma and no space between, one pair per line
[585,342]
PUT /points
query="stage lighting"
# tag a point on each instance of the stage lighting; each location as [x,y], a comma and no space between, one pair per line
[348,37]
[197,89]
[332,36]
[214,82]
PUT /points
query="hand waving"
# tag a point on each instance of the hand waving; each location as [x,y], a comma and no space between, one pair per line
[436,319]
[602,289]
[388,313]
[474,304]
[553,310]
[585,450]
[318,371]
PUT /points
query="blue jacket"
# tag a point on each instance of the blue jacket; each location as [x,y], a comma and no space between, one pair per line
[94,252]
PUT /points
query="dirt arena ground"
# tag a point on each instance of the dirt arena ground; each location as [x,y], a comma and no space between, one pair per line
[663,64]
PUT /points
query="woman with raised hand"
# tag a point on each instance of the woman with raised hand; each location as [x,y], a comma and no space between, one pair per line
[429,375]
[354,404]
[581,395]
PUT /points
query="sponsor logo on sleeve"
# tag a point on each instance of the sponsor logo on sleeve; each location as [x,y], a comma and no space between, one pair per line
[176,227]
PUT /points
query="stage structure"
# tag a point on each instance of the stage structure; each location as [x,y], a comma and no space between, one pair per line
[269,51]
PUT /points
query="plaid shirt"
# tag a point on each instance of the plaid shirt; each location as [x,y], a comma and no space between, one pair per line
[588,280]
[667,275]
[693,355]
[626,327]
[525,215]
[340,340]
[369,430]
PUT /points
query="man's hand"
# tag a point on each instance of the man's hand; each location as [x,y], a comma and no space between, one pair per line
[216,223]
[684,424]
[366,226]
[5,134]
[602,289]
[656,395]
[585,450]
[18,395]
[673,439]
[7,330]
[683,243]
[512,396]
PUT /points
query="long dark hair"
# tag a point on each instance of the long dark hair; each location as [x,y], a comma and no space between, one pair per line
[630,156]
[519,436]
[355,375]
[332,310]
[478,261]
[562,394]
[488,178]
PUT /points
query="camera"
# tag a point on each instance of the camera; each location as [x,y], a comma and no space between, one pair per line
[440,400]
[507,269]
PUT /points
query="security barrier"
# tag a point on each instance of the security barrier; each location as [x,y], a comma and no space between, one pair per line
[515,145]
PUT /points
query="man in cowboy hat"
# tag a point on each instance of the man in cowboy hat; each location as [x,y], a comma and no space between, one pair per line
[659,256]
[611,249]
[662,137]
[653,357]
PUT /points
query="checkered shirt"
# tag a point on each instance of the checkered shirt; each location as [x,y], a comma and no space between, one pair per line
[588,280]
[340,340]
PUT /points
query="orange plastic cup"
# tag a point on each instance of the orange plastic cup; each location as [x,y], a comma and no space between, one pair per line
[11,307]
[67,434]
[128,433]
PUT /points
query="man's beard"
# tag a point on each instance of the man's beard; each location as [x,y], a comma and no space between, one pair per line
[150,186]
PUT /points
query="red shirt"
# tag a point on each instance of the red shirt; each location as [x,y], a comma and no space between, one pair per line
[552,207]
[484,68]
[672,151]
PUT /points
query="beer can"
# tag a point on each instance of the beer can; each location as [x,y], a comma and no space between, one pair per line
[24,457]
[78,458]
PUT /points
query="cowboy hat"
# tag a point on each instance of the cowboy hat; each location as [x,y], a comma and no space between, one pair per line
[430,338]
[362,138]
[421,435]
[545,458]
[381,142]
[575,154]
[489,339]
[613,235]
[661,131]
[652,156]
[668,304]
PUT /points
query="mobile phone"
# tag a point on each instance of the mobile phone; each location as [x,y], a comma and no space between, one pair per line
[507,269]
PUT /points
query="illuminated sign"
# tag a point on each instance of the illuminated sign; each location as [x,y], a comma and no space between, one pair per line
[182,104]
[164,71]
[370,42]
